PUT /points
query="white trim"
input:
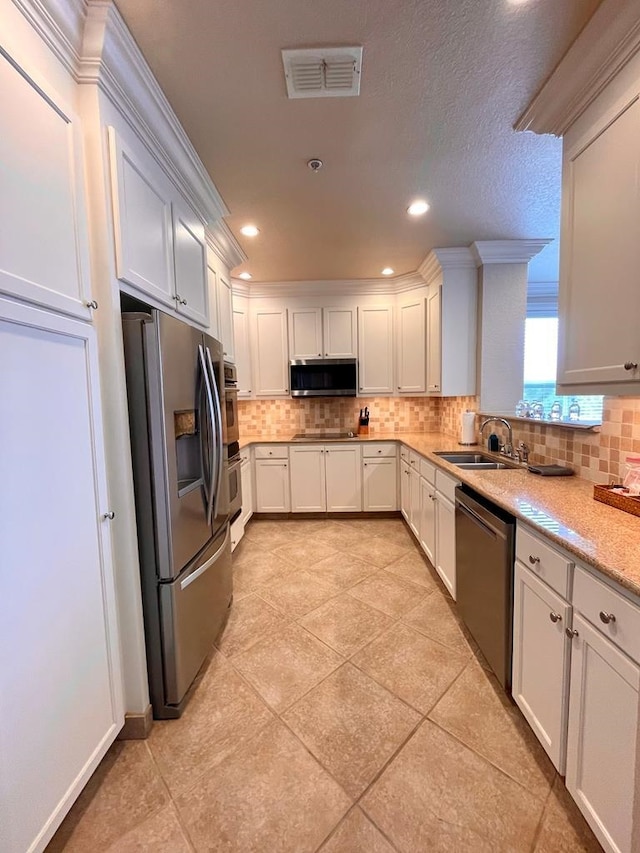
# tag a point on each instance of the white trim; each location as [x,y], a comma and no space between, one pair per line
[507,251]
[349,287]
[59,23]
[607,43]
[440,259]
[220,238]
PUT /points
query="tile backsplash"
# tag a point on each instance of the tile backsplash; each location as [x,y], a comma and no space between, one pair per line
[597,455]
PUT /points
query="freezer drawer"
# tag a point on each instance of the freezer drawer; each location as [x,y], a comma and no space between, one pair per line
[193,610]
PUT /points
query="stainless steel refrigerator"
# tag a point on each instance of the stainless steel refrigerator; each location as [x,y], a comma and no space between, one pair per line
[175,388]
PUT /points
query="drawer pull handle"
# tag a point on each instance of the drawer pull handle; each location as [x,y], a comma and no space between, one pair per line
[571,633]
[630,365]
[533,560]
[93,304]
[555,617]
[607,617]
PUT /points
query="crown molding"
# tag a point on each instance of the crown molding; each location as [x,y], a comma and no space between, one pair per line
[239,287]
[60,24]
[111,60]
[507,251]
[348,287]
[224,244]
[609,40]
[440,259]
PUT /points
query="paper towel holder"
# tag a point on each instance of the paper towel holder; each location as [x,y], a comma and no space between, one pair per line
[467,424]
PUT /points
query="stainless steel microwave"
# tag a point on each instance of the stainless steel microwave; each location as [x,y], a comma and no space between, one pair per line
[323,377]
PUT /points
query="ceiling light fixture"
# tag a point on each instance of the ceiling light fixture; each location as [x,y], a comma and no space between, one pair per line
[418,207]
[387,271]
[245,275]
[249,231]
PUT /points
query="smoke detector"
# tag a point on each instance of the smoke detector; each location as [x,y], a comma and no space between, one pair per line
[315,164]
[323,72]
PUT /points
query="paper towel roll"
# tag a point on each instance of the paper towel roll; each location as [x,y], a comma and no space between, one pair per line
[468,428]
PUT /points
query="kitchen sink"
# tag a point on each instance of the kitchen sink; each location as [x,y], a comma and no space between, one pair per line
[323,436]
[472,461]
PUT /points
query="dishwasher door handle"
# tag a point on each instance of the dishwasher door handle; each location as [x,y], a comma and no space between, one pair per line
[481,522]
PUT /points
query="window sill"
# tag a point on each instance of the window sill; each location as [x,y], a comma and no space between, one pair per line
[581,425]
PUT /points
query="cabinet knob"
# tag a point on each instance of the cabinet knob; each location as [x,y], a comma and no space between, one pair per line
[93,304]
[365,464]
[285,464]
[533,560]
[607,617]
[319,355]
[379,451]
[571,633]
[399,388]
[433,497]
[631,365]
[183,302]
[326,355]
[109,516]
[555,617]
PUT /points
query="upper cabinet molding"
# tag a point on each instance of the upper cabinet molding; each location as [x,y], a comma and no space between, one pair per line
[607,43]
[111,60]
[507,251]
[224,244]
[439,259]
[329,289]
[60,24]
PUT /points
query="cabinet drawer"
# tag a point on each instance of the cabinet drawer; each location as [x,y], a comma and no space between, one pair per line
[414,460]
[271,451]
[446,485]
[404,453]
[377,451]
[428,471]
[551,566]
[614,615]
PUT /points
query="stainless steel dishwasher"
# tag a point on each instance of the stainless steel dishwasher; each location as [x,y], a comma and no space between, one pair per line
[484,577]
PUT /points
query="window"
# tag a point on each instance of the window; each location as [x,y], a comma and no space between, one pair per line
[540,353]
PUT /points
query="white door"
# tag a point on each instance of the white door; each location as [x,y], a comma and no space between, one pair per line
[43,235]
[225,317]
[60,678]
[380,484]
[428,519]
[190,259]
[247,488]
[142,222]
[414,502]
[271,370]
[375,350]
[411,347]
[344,478]
[241,344]
[308,487]
[272,486]
[541,659]
[305,332]
[434,340]
[446,542]
[603,730]
[405,496]
[340,333]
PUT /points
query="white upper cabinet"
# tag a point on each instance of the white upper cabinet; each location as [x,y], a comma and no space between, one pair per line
[340,333]
[214,310]
[411,346]
[599,350]
[305,332]
[375,349]
[322,332]
[190,258]
[43,236]
[434,343]
[225,317]
[270,362]
[242,345]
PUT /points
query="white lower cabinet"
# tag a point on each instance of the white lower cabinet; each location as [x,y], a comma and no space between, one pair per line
[414,498]
[428,519]
[379,478]
[247,486]
[308,483]
[272,479]
[445,563]
[344,478]
[326,478]
[405,493]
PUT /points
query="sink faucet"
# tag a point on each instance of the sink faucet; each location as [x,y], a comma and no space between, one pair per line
[508,447]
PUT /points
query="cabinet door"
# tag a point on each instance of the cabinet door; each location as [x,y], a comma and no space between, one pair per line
[308,487]
[434,340]
[375,350]
[411,347]
[43,232]
[241,345]
[541,653]
[446,542]
[414,502]
[190,260]
[344,478]
[601,244]
[603,730]
[272,486]
[214,309]
[142,223]
[405,497]
[271,363]
[247,488]
[305,332]
[340,333]
[60,679]
[380,484]
[225,317]
[428,519]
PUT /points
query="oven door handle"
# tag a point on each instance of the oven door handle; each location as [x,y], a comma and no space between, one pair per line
[219,437]
[207,474]
[481,522]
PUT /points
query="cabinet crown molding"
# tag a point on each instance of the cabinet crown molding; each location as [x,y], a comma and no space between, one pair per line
[60,24]
[507,251]
[220,238]
[111,60]
[322,289]
[441,259]
[609,40]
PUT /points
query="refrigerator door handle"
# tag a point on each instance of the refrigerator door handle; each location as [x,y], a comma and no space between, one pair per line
[210,396]
[219,436]
[203,568]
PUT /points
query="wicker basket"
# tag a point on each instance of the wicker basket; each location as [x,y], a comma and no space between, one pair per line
[624,502]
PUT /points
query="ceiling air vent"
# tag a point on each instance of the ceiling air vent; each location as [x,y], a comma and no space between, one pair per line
[325,72]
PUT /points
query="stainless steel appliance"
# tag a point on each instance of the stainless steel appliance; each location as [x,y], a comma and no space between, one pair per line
[175,387]
[235,486]
[484,577]
[323,377]
[231,425]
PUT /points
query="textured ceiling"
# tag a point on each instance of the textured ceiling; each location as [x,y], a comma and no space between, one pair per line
[443,81]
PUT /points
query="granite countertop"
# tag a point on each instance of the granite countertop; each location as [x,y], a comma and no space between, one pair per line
[561,508]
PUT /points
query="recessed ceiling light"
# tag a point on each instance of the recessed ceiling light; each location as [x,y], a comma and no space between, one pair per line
[387,271]
[245,275]
[249,231]
[417,208]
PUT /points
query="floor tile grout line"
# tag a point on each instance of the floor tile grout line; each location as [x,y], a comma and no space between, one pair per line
[335,829]
[172,801]
[538,832]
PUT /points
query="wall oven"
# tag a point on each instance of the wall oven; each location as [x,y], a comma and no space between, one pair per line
[235,486]
[231,440]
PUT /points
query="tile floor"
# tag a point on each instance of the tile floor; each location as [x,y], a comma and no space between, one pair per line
[345,710]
